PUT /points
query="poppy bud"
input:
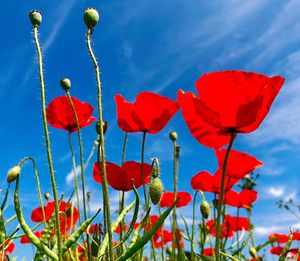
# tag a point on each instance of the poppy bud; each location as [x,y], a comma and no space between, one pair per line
[88,194]
[13,173]
[155,190]
[65,83]
[205,209]
[173,136]
[91,17]
[104,126]
[47,195]
[35,17]
[253,252]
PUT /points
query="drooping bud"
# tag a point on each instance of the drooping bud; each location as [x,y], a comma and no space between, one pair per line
[253,252]
[173,136]
[65,83]
[91,17]
[104,126]
[35,17]
[47,195]
[88,194]
[156,190]
[205,209]
[13,173]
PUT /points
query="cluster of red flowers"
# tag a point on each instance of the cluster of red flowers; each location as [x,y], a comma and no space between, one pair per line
[228,103]
[281,240]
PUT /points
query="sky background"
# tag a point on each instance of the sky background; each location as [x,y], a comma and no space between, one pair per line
[158,46]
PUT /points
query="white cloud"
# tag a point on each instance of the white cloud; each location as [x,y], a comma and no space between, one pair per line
[276,192]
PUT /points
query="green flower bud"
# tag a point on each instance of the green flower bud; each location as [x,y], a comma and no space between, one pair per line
[47,195]
[91,17]
[13,173]
[156,190]
[35,17]
[205,209]
[173,136]
[65,83]
[253,252]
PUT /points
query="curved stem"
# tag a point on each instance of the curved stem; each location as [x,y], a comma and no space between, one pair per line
[221,196]
[101,144]
[38,186]
[48,146]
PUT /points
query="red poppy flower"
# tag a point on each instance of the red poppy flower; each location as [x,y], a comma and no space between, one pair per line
[167,199]
[120,178]
[238,223]
[244,199]
[229,101]
[95,229]
[276,250]
[225,229]
[296,235]
[211,183]
[68,216]
[149,113]
[61,116]
[25,239]
[280,238]
[239,164]
[209,251]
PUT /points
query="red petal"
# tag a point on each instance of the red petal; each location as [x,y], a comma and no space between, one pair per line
[239,164]
[206,134]
[167,199]
[60,113]
[149,113]
[124,112]
[229,94]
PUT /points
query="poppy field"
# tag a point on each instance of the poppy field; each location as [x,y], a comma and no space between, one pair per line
[150,221]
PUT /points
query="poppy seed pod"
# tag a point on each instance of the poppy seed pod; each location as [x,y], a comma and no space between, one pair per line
[65,83]
[173,136]
[253,252]
[91,17]
[35,17]
[156,190]
[205,209]
[13,173]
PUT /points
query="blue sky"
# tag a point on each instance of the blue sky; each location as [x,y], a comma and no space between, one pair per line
[160,47]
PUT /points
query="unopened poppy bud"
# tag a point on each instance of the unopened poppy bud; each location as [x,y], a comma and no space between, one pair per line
[155,190]
[91,17]
[88,194]
[13,173]
[205,209]
[47,195]
[65,83]
[104,126]
[173,136]
[35,17]
[253,252]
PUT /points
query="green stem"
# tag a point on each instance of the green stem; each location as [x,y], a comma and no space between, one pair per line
[142,162]
[175,180]
[162,237]
[193,225]
[252,236]
[75,175]
[122,193]
[48,146]
[101,144]
[221,196]
[38,185]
